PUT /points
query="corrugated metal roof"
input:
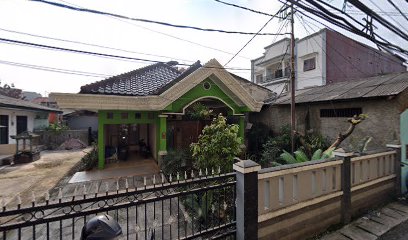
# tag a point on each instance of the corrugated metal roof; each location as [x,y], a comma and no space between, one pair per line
[9,102]
[379,86]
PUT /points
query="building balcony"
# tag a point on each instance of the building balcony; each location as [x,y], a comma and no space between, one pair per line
[272,78]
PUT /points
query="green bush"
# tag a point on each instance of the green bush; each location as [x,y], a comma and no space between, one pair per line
[199,111]
[57,127]
[177,161]
[217,145]
[257,137]
[272,149]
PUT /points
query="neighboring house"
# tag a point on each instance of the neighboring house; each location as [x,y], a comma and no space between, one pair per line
[17,116]
[45,101]
[81,119]
[325,109]
[138,105]
[29,96]
[321,58]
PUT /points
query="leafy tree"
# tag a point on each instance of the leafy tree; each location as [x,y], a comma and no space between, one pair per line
[199,111]
[217,145]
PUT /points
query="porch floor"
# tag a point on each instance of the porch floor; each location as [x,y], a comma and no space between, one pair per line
[134,166]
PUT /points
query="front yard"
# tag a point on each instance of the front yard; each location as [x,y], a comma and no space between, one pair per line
[39,176]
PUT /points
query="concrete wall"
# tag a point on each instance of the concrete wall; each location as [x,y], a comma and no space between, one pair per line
[313,46]
[83,122]
[348,59]
[13,120]
[382,124]
[53,140]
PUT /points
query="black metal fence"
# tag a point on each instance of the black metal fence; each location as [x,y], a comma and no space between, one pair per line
[195,205]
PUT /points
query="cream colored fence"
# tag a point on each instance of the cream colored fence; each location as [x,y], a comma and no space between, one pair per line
[366,170]
[292,187]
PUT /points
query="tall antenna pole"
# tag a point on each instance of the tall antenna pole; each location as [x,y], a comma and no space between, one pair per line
[292,79]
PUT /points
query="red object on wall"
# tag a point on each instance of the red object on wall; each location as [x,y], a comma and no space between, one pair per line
[163,135]
[52,117]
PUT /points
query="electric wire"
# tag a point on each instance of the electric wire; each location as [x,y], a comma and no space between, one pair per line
[87,10]
[56,70]
[252,38]
[43,46]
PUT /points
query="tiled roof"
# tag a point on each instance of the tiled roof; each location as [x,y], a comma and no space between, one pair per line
[140,82]
[379,86]
[8,102]
[151,80]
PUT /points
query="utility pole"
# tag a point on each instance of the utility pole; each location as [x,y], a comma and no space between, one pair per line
[292,79]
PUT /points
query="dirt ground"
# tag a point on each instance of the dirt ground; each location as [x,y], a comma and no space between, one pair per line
[39,176]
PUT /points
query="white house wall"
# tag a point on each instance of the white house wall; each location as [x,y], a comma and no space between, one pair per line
[306,48]
[13,121]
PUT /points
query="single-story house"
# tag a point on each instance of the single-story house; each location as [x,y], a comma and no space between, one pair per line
[17,116]
[325,109]
[81,120]
[139,105]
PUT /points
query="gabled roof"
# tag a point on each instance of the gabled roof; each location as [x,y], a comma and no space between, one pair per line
[379,86]
[140,82]
[8,102]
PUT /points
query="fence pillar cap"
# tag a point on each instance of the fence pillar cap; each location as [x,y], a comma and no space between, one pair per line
[343,154]
[393,146]
[246,166]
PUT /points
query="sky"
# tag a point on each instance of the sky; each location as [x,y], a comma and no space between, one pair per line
[139,40]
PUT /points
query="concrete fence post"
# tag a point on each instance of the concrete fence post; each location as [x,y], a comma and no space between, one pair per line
[345,185]
[397,168]
[247,199]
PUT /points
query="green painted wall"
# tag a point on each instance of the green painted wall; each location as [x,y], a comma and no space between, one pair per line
[404,143]
[200,92]
[177,106]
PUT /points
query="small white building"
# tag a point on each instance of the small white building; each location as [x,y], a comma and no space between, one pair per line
[17,116]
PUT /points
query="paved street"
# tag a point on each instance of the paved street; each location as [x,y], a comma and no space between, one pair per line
[398,233]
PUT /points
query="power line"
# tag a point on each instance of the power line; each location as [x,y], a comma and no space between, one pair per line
[248,9]
[60,5]
[43,46]
[167,35]
[91,44]
[388,58]
[57,70]
[262,28]
[343,23]
[399,24]
[398,9]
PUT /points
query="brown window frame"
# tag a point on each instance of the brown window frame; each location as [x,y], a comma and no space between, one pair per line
[309,64]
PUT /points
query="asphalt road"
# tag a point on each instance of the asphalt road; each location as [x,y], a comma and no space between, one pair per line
[400,232]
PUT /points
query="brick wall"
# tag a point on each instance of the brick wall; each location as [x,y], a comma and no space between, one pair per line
[383,123]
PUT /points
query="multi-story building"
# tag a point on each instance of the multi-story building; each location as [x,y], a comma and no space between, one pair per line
[321,58]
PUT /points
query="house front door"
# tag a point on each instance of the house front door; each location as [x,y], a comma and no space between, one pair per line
[4,129]
[21,124]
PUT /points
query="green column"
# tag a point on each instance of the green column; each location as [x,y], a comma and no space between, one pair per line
[241,133]
[162,136]
[101,141]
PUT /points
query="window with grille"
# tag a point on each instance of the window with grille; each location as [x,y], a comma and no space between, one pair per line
[340,112]
[309,64]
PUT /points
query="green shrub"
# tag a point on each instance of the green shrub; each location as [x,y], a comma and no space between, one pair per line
[272,149]
[57,127]
[217,145]
[257,137]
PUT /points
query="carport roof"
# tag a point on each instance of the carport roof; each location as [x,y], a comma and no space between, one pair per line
[379,86]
